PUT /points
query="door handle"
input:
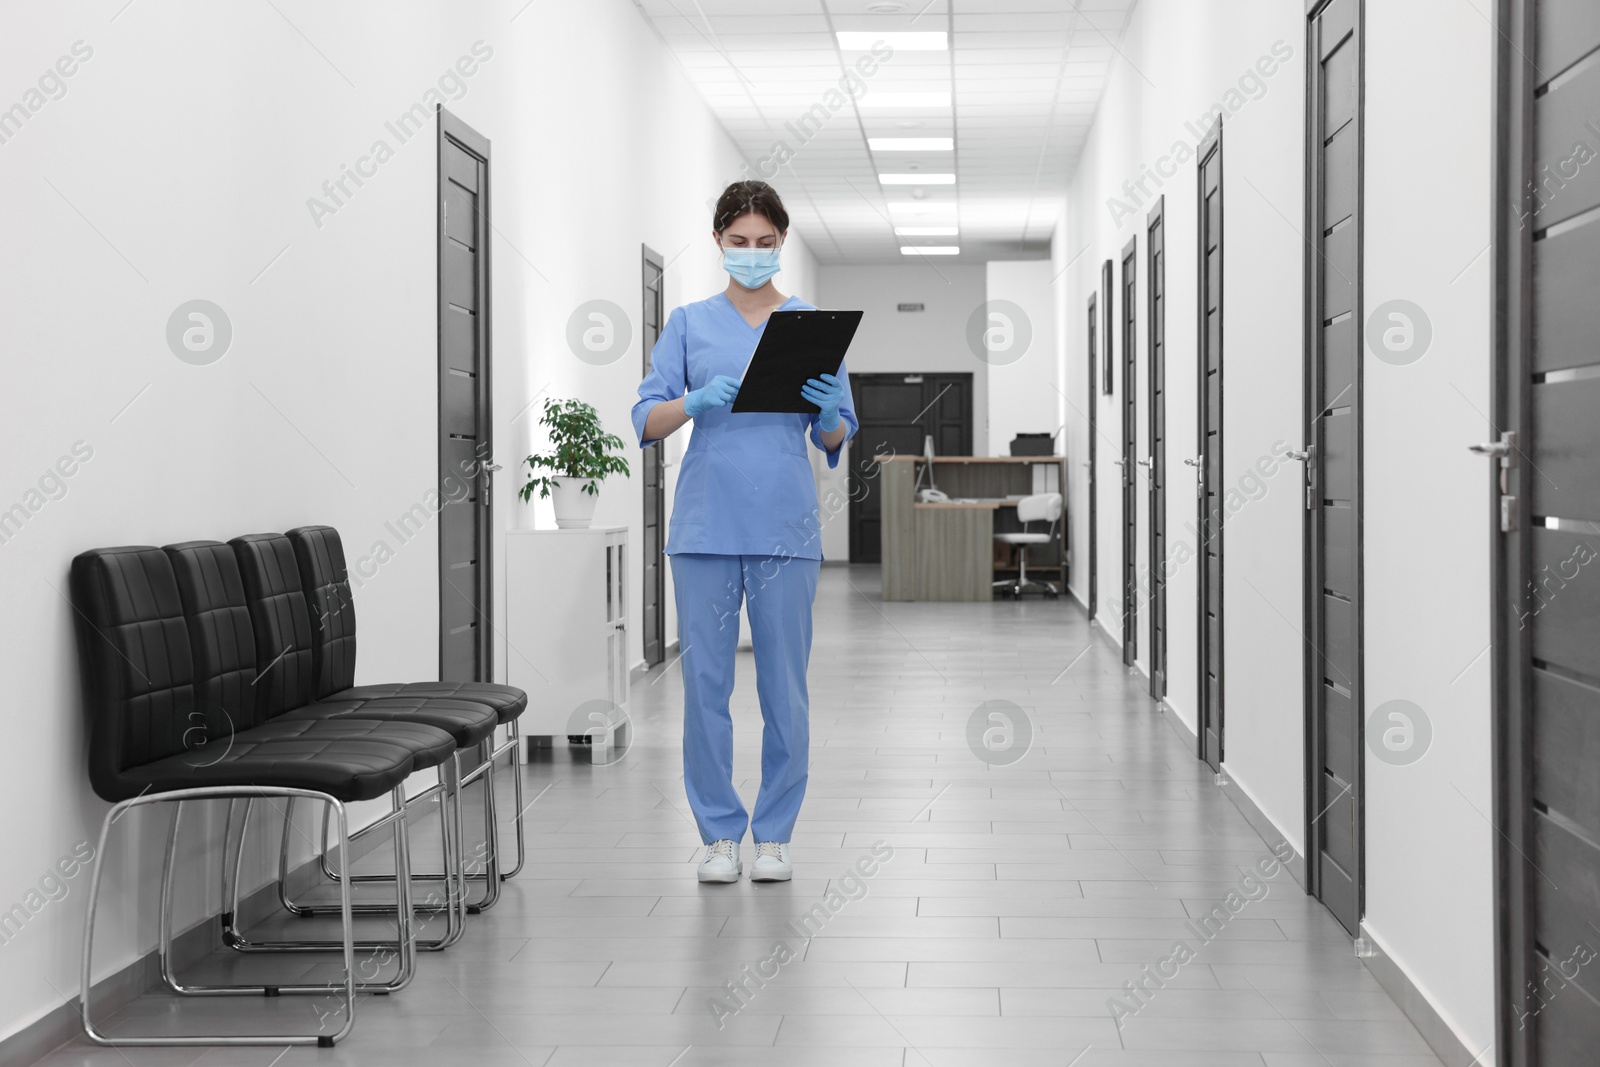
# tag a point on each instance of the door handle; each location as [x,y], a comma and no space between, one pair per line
[1191,462]
[1307,456]
[1504,449]
[486,472]
[1120,462]
[1142,462]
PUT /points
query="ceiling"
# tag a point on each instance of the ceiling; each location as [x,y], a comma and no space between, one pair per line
[1023,76]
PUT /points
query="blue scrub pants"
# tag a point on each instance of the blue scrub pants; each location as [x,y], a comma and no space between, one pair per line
[780,591]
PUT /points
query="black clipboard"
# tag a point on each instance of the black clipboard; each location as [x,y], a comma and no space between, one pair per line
[795,345]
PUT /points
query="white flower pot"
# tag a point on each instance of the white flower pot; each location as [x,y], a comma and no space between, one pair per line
[574,507]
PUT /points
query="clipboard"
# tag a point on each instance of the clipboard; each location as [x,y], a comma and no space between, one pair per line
[795,345]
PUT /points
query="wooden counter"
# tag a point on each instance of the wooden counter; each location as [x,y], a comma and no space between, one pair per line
[946,551]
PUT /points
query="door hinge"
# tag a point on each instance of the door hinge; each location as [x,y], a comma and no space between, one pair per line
[1508,513]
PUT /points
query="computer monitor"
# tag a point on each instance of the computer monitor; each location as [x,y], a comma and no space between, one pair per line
[927,463]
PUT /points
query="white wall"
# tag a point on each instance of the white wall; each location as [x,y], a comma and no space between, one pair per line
[1429,878]
[178,165]
[1429,843]
[1200,52]
[1025,390]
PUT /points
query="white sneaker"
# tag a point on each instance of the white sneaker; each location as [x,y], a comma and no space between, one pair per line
[722,863]
[772,862]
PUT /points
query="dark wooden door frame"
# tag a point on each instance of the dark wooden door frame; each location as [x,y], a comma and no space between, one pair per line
[1092,343]
[1317,805]
[1130,449]
[452,130]
[1209,532]
[654,496]
[1510,551]
[1156,454]
[1108,303]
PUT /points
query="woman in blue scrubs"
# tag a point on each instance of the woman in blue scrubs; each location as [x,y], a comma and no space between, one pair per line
[745,526]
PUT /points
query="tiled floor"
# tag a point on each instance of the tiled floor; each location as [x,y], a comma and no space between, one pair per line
[1018,898]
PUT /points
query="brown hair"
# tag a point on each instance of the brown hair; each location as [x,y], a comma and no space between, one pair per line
[749,198]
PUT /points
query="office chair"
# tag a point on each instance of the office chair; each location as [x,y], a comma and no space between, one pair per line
[1036,508]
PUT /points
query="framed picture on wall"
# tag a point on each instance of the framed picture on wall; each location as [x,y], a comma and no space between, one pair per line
[1105,329]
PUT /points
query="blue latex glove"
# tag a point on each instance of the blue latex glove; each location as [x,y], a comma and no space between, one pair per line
[827,394]
[718,392]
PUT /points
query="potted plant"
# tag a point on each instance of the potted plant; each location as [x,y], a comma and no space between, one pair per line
[578,461]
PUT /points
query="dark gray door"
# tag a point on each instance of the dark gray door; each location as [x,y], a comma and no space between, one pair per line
[1091,359]
[1546,505]
[1332,375]
[465,440]
[1210,444]
[895,412]
[1156,428]
[654,568]
[1129,460]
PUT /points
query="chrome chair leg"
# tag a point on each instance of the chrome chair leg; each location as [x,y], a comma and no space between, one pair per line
[450,832]
[491,837]
[514,744]
[488,853]
[234,938]
[347,944]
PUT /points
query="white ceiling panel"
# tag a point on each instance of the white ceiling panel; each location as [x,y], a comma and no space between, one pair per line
[1024,77]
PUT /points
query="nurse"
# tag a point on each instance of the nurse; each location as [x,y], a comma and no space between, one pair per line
[745,526]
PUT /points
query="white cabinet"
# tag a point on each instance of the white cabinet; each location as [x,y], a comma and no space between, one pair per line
[567,634]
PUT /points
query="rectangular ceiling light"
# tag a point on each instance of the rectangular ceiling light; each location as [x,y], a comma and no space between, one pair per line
[911,144]
[922,207]
[930,250]
[900,40]
[916,179]
[877,98]
[926,231]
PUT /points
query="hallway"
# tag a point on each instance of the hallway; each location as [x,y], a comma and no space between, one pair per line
[1259,333]
[1016,903]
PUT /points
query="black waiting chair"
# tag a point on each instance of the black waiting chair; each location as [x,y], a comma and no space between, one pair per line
[319,555]
[253,584]
[155,738]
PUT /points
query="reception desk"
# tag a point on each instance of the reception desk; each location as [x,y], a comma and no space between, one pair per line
[947,551]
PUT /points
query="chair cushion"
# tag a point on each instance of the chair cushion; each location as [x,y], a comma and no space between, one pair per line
[280,621]
[319,554]
[221,637]
[1023,538]
[507,701]
[429,745]
[133,650]
[346,769]
[466,723]
[325,580]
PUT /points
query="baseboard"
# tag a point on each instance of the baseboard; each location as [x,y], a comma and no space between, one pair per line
[64,1023]
[1295,864]
[1179,727]
[1263,826]
[640,669]
[1423,1015]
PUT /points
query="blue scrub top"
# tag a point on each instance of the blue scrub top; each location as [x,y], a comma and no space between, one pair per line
[745,486]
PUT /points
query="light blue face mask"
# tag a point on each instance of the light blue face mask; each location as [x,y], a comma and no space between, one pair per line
[751,267]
